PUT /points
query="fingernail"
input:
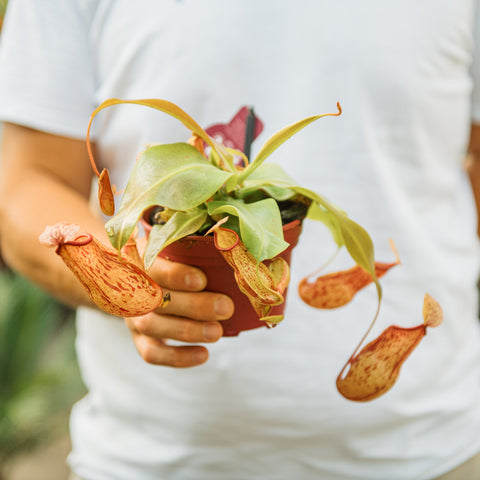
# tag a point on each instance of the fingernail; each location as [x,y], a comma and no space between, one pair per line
[212,331]
[223,307]
[194,281]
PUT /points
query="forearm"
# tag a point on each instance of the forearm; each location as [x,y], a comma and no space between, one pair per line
[473,167]
[35,202]
[44,179]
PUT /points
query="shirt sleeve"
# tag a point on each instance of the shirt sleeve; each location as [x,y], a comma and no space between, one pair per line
[46,73]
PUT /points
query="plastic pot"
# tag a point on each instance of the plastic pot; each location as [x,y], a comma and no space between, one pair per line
[200,252]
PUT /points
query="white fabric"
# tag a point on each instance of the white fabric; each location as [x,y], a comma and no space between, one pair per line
[265,404]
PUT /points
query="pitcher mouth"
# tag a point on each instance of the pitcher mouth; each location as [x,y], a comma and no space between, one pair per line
[83,239]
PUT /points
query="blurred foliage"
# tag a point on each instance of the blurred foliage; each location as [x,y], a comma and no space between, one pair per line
[39,377]
[3,8]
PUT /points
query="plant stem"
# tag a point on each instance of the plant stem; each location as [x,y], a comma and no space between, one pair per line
[249,132]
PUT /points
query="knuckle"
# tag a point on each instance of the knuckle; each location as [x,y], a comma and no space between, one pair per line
[148,352]
[143,324]
[161,271]
[169,274]
[187,330]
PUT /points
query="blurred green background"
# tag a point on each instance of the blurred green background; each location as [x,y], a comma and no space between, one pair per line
[3,7]
[39,377]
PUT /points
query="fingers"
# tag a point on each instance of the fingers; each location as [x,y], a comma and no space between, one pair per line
[163,327]
[175,276]
[150,331]
[191,316]
[158,353]
[198,306]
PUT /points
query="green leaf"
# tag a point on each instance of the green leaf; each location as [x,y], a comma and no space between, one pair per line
[164,106]
[360,246]
[269,177]
[278,139]
[170,109]
[260,225]
[329,219]
[176,176]
[178,226]
[355,238]
[3,8]
[231,183]
[344,230]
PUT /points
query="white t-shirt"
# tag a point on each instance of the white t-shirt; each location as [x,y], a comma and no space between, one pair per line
[265,404]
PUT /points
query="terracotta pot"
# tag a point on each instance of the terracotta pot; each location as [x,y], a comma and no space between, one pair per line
[200,252]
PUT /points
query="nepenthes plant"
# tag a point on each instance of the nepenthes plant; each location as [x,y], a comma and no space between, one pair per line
[203,186]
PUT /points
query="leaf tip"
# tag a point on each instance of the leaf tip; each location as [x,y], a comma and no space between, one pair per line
[339,108]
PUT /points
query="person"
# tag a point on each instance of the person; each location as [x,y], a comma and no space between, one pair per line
[263,404]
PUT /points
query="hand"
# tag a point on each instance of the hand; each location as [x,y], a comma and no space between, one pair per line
[192,316]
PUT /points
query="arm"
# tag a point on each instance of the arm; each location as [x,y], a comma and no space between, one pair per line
[46,178]
[473,167]
[43,179]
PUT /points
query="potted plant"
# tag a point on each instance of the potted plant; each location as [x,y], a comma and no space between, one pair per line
[200,187]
